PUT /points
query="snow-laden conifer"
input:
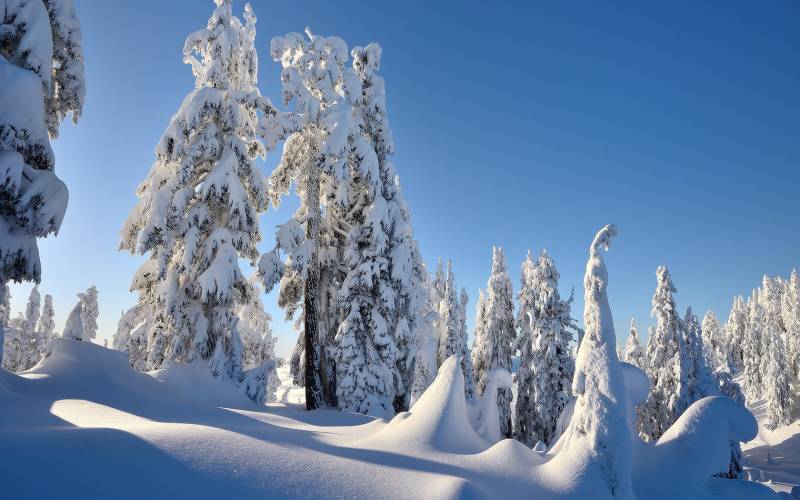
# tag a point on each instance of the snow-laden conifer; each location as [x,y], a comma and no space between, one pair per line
[526,300]
[776,388]
[667,360]
[451,330]
[41,81]
[89,311]
[548,372]
[73,329]
[713,341]
[495,336]
[197,213]
[752,348]
[132,333]
[47,325]
[634,352]
[735,332]
[314,78]
[599,425]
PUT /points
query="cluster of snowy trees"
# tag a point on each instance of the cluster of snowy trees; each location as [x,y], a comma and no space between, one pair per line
[41,82]
[687,359]
[27,335]
[760,341]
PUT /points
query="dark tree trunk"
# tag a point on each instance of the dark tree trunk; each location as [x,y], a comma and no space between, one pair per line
[311,331]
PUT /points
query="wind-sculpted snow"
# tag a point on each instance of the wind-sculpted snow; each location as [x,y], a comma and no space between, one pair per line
[84,408]
[437,422]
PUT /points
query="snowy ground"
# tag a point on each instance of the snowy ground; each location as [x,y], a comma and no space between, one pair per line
[774,456]
[83,424]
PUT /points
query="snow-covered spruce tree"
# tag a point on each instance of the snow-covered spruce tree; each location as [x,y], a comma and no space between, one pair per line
[40,83]
[495,336]
[752,348]
[424,350]
[666,361]
[452,331]
[73,329]
[735,332]
[700,381]
[634,352]
[774,368]
[411,316]
[254,328]
[30,344]
[197,213]
[132,333]
[549,368]
[5,316]
[713,341]
[776,389]
[599,427]
[89,311]
[46,329]
[315,79]
[790,313]
[523,407]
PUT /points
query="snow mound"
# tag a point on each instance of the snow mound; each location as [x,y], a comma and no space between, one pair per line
[694,448]
[195,382]
[437,422]
[484,414]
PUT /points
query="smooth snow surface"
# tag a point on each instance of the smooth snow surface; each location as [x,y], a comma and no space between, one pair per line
[102,430]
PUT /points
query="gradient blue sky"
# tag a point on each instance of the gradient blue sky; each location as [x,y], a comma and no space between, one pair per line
[520,124]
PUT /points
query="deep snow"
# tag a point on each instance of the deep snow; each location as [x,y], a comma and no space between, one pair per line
[83,424]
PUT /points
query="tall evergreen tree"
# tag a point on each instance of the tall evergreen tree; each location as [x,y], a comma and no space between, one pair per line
[790,312]
[700,381]
[752,348]
[523,408]
[601,401]
[776,389]
[315,78]
[549,370]
[713,341]
[197,209]
[41,80]
[735,333]
[495,336]
[89,311]
[634,352]
[47,326]
[452,332]
[666,361]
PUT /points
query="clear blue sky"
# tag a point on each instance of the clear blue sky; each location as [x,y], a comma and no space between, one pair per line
[520,124]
